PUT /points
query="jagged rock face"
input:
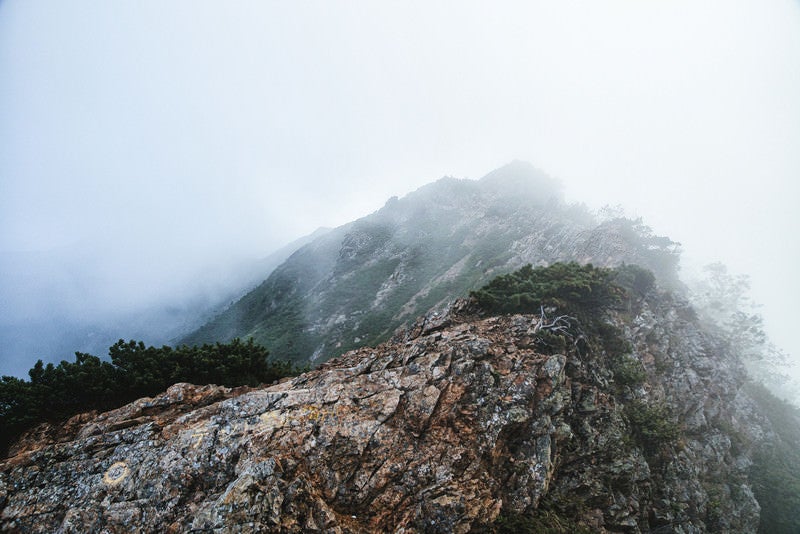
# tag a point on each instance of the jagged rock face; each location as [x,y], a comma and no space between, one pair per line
[422,435]
[357,284]
[443,429]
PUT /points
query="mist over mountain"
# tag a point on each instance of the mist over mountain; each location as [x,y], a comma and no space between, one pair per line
[454,362]
[192,135]
[80,309]
[360,282]
[626,416]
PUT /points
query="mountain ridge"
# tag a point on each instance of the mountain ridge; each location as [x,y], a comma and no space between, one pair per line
[364,280]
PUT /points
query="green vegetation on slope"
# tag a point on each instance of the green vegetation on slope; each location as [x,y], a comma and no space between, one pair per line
[55,393]
[775,472]
[569,287]
[581,292]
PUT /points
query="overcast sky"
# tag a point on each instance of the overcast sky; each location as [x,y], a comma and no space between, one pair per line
[143,143]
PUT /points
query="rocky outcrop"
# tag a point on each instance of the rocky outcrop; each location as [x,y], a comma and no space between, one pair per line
[458,424]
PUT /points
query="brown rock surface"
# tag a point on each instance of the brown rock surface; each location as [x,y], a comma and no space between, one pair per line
[440,430]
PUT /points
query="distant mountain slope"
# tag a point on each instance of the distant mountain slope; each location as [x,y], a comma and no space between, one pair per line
[358,283]
[50,321]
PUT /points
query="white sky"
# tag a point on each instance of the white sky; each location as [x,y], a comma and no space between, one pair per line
[143,141]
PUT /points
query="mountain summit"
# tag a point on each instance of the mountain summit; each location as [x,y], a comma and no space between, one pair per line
[360,282]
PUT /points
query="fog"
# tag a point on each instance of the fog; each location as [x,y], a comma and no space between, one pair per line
[149,150]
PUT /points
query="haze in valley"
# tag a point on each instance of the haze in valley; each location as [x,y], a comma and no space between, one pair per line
[153,155]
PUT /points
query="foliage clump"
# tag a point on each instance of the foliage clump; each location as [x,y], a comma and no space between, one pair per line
[57,392]
[582,292]
[637,281]
[570,287]
[652,425]
[628,371]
